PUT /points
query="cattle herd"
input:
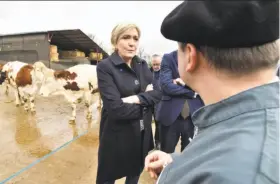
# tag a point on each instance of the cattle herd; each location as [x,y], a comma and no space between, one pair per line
[77,83]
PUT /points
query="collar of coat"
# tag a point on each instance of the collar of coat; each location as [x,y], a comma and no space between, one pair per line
[258,98]
[117,60]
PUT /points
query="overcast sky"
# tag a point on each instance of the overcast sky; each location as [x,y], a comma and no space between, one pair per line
[97,17]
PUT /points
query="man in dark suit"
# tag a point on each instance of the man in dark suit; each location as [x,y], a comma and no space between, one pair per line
[176,106]
[156,62]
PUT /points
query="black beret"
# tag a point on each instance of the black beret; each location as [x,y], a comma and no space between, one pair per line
[223,24]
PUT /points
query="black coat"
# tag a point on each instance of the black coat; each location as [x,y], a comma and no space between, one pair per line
[122,146]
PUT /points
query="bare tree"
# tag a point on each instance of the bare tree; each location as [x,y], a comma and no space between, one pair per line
[91,36]
[99,43]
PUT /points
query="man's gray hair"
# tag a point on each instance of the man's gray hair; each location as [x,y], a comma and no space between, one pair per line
[156,55]
[242,60]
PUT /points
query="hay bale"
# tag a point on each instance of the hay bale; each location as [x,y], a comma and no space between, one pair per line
[83,54]
[96,56]
[65,54]
[72,54]
[53,49]
[75,54]
[54,57]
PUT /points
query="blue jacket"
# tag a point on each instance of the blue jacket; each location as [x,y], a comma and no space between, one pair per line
[173,95]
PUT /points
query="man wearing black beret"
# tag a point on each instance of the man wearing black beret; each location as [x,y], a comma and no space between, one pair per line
[227,52]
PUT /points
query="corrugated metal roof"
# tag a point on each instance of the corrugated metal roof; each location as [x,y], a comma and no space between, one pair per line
[68,40]
[23,33]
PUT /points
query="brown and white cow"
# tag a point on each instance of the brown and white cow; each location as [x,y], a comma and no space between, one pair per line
[21,78]
[75,83]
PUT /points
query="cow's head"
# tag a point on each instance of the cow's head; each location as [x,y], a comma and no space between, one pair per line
[8,67]
[4,70]
[3,75]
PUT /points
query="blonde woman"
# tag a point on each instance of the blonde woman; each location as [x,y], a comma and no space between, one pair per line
[124,81]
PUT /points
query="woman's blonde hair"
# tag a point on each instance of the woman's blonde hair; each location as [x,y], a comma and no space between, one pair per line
[119,29]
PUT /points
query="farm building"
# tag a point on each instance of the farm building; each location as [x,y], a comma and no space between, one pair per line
[59,48]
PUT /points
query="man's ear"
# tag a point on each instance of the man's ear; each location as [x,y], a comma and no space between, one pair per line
[191,57]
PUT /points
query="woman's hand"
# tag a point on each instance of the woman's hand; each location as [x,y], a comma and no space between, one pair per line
[131,99]
[150,87]
[156,161]
[134,98]
[179,81]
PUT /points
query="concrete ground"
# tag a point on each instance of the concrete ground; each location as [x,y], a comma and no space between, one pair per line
[39,148]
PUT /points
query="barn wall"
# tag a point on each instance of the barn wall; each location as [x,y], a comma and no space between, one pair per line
[26,48]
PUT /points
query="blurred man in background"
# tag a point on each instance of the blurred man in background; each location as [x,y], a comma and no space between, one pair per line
[177,104]
[156,62]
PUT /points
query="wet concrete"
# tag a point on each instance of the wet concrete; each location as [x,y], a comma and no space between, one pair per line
[25,138]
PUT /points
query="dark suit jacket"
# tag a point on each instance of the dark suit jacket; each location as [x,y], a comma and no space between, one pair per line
[174,96]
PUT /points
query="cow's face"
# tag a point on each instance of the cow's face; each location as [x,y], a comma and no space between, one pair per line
[49,85]
[7,67]
[4,69]
[3,77]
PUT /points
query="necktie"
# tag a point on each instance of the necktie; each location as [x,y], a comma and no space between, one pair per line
[186,110]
